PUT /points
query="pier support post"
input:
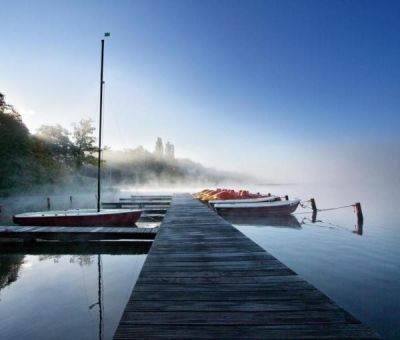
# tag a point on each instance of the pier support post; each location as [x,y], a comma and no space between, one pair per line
[70,202]
[48,203]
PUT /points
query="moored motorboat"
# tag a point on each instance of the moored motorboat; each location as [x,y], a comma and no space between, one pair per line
[79,217]
[271,198]
[259,208]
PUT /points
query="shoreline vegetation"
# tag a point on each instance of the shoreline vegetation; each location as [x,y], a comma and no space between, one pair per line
[55,159]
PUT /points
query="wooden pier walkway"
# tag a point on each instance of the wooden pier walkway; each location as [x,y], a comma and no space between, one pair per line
[204,279]
[77,233]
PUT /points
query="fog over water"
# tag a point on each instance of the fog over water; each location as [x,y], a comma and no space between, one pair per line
[358,270]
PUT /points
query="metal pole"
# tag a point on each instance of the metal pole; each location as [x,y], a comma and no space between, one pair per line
[100,119]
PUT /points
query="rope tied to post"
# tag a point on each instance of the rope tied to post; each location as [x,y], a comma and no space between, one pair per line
[304,204]
[337,208]
[310,204]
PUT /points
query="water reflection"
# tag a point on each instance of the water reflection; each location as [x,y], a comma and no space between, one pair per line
[313,221]
[281,221]
[84,292]
[9,268]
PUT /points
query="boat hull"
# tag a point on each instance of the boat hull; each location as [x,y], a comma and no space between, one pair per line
[78,218]
[246,200]
[259,209]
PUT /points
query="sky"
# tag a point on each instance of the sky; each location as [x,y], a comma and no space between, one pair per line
[284,90]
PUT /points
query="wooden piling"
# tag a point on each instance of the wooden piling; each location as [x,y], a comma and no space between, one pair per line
[314,216]
[48,203]
[359,227]
[360,217]
[313,205]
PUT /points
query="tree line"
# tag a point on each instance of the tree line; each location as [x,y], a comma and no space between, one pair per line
[55,157]
[49,156]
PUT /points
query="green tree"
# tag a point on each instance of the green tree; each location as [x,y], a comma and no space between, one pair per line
[84,143]
[56,139]
[14,146]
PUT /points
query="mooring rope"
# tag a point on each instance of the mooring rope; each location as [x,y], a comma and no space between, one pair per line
[337,208]
[307,205]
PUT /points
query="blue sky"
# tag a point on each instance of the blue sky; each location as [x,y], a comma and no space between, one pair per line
[274,88]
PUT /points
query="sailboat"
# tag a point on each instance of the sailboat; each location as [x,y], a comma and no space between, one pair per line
[86,217]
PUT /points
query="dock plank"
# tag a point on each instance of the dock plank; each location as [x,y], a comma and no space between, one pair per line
[204,279]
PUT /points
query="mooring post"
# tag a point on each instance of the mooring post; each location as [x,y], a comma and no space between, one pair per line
[286,197]
[48,203]
[313,205]
[314,216]
[70,202]
[360,217]
[359,227]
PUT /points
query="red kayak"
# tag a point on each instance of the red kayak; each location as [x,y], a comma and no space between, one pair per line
[84,217]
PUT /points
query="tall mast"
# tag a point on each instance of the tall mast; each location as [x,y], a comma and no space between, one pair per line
[100,120]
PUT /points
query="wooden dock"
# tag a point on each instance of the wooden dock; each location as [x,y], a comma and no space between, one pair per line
[204,279]
[77,233]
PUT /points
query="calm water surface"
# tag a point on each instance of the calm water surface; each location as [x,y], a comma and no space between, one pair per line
[359,272]
[56,296]
[45,295]
[48,296]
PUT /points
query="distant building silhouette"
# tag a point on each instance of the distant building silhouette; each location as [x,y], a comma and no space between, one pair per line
[169,150]
[159,148]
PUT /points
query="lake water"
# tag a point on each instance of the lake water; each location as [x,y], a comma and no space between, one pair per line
[49,296]
[359,272]
[56,296]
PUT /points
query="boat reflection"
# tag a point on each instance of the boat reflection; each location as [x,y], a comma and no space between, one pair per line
[280,221]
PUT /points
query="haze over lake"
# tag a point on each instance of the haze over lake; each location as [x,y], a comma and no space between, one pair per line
[283,97]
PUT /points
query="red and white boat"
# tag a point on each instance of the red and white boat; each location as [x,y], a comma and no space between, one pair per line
[259,208]
[271,198]
[79,217]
